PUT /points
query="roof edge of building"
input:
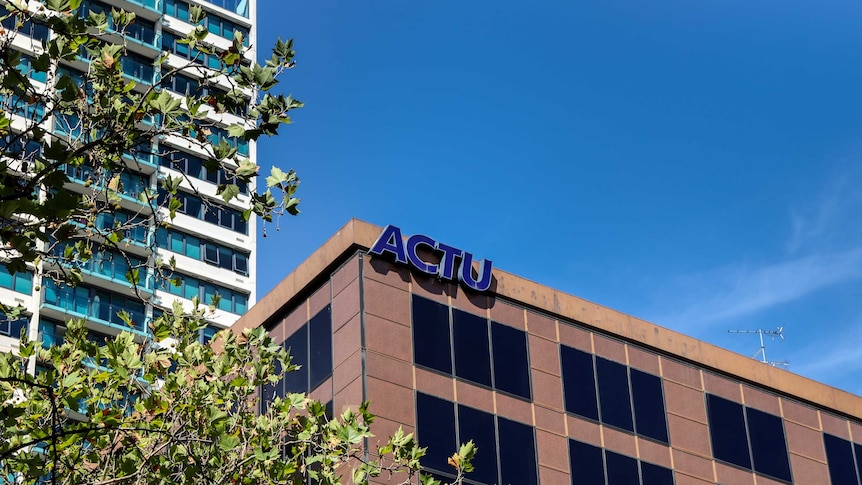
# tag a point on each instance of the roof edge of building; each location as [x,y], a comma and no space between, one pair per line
[360,235]
[356,234]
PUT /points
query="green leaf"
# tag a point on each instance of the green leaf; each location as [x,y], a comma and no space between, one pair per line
[133,276]
[358,475]
[246,170]
[276,177]
[98,20]
[228,192]
[125,317]
[196,14]
[291,206]
[228,443]
[426,479]
[166,104]
[239,381]
[236,131]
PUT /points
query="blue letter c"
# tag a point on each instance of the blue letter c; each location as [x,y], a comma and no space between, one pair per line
[412,243]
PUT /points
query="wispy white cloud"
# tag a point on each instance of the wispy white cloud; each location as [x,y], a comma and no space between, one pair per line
[833,357]
[823,248]
[733,292]
[822,252]
[825,221]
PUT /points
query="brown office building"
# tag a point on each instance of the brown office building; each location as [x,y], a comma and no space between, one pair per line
[552,388]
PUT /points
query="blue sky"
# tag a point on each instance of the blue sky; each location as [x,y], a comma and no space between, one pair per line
[696,164]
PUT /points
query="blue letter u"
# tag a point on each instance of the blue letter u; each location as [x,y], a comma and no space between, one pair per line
[466,276]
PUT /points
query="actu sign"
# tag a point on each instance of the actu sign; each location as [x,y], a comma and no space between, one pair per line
[405,252]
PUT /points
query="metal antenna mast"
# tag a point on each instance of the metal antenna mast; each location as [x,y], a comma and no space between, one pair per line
[762,352]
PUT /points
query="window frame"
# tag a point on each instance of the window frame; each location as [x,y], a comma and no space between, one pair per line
[299,344]
[603,464]
[578,403]
[500,441]
[830,442]
[425,354]
[712,403]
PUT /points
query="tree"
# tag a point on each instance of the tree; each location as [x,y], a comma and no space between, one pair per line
[173,410]
[154,406]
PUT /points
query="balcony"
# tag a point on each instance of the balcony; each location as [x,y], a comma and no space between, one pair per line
[113,267]
[135,67]
[97,306]
[155,5]
[23,108]
[36,31]
[140,34]
[138,70]
[141,31]
[239,7]
[131,186]
[21,282]
[12,328]
[53,333]
[139,157]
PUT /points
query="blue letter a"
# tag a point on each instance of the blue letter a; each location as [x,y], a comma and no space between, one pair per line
[390,241]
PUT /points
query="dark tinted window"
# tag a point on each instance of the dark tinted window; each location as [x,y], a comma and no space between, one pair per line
[858,450]
[727,431]
[511,370]
[297,345]
[586,462]
[579,382]
[517,453]
[269,391]
[655,475]
[431,346]
[320,347]
[507,452]
[278,388]
[211,216]
[472,354]
[622,470]
[193,206]
[839,456]
[436,430]
[12,328]
[241,264]
[479,426]
[650,418]
[614,394]
[468,353]
[240,225]
[225,258]
[768,447]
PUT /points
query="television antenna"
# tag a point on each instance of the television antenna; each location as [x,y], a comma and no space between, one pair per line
[779,332]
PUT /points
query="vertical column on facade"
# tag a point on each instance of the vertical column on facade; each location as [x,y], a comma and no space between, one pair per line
[687,423]
[804,441]
[387,349]
[347,382]
[548,406]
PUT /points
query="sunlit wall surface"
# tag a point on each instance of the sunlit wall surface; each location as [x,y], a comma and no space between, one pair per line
[551,388]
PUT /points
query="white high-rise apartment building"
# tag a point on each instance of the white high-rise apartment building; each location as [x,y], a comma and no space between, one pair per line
[214,248]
